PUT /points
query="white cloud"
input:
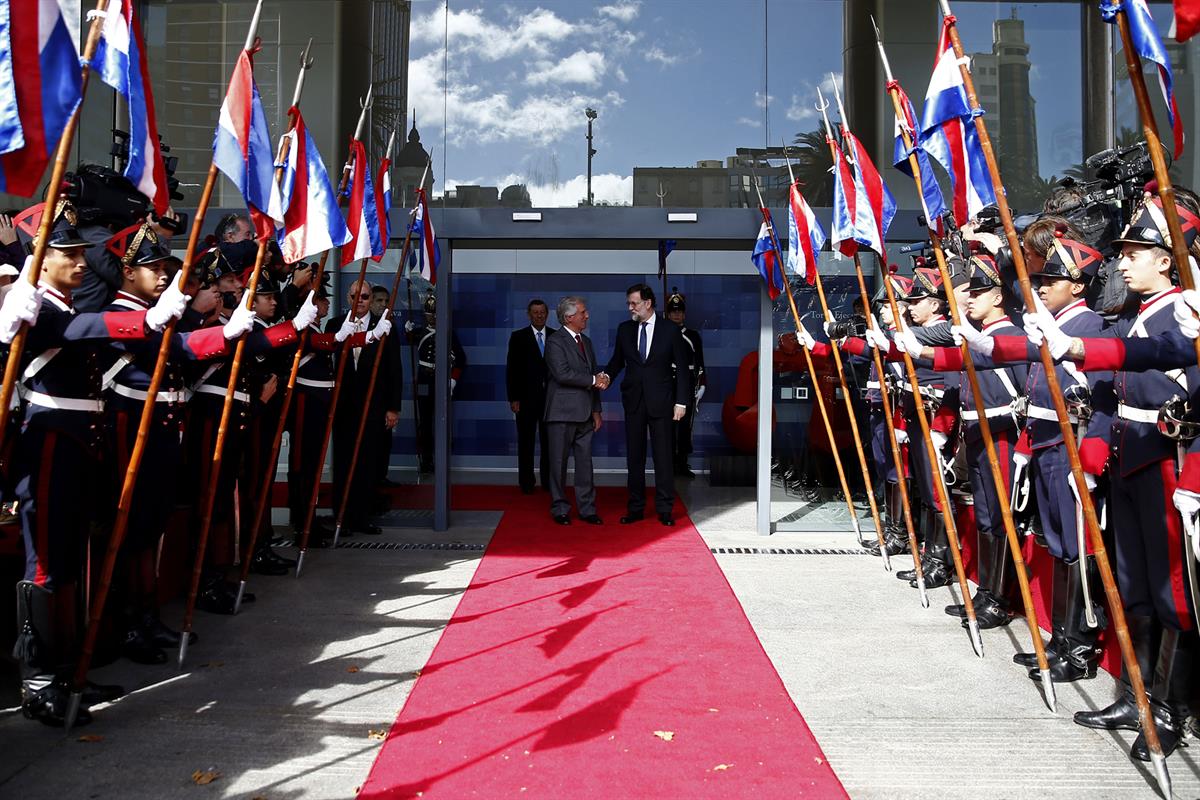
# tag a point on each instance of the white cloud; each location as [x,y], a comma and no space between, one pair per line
[624,11]
[803,103]
[532,33]
[761,100]
[656,53]
[579,67]
[753,123]
[606,188]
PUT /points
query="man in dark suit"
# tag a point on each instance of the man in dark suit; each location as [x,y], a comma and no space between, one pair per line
[572,411]
[526,378]
[654,394]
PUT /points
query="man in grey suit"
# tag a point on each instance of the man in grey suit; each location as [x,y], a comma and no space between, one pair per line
[572,410]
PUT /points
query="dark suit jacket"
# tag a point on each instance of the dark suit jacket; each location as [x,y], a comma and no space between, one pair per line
[656,385]
[525,370]
[389,384]
[570,396]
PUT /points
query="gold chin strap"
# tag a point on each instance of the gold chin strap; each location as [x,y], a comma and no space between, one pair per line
[1068,262]
[136,244]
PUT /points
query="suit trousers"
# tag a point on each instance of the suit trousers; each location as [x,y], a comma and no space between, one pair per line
[530,429]
[568,439]
[637,423]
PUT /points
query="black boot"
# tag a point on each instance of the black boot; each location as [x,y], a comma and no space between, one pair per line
[44,659]
[1170,693]
[47,703]
[937,568]
[1078,653]
[1060,600]
[995,612]
[162,635]
[923,524]
[266,562]
[1122,715]
[986,545]
[140,649]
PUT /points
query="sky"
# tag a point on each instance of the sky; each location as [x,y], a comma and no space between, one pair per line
[673,82]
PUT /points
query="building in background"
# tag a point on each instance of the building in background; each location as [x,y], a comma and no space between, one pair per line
[711,184]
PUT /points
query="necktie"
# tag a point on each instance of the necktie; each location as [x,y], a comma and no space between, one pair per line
[541,343]
[642,342]
[579,341]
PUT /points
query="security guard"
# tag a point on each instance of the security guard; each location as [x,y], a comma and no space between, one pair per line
[676,311]
[426,339]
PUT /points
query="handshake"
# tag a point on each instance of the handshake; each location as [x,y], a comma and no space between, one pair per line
[602,381]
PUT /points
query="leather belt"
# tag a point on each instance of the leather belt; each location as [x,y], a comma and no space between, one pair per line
[314,384]
[926,390]
[179,396]
[1050,415]
[219,391]
[1148,415]
[64,403]
[999,411]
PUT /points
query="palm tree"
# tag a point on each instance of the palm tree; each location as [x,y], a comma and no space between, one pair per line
[813,167]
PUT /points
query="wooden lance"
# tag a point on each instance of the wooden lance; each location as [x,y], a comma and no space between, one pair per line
[935,458]
[53,189]
[985,427]
[849,399]
[812,370]
[1116,609]
[884,393]
[214,474]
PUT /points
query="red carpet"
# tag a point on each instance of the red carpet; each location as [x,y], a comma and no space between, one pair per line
[610,662]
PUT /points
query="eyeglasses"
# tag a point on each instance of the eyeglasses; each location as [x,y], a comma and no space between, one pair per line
[636,303]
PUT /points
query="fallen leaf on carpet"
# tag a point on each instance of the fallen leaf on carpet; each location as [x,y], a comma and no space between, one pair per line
[352,669]
[666,736]
[818,760]
[721,767]
[714,710]
[373,734]
[90,737]
[203,777]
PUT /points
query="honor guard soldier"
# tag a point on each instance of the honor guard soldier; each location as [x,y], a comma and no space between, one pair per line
[146,278]
[58,455]
[426,339]
[676,311]
[986,301]
[310,411]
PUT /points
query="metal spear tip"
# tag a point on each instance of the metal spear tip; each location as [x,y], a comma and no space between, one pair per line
[369,100]
[876,27]
[306,60]
[924,594]
[1048,692]
[1159,762]
[887,560]
[183,647]
[976,639]
[74,702]
[237,603]
[300,563]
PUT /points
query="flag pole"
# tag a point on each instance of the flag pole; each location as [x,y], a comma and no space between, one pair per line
[365,104]
[210,489]
[362,417]
[985,426]
[884,392]
[53,189]
[1099,551]
[847,397]
[812,370]
[125,501]
[934,457]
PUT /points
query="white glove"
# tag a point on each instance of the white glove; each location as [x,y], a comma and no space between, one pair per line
[1187,306]
[453,383]
[21,305]
[1088,480]
[939,439]
[350,326]
[1187,502]
[240,322]
[306,315]
[977,340]
[878,339]
[908,340]
[805,338]
[381,329]
[409,327]
[901,436]
[1036,331]
[700,393]
[170,306]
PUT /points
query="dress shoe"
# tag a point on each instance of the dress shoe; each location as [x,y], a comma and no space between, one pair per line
[1170,736]
[1064,670]
[48,706]
[96,693]
[264,564]
[1052,654]
[592,519]
[562,519]
[278,557]
[162,635]
[992,614]
[1120,716]
[631,518]
[138,648]
[216,598]
[666,519]
[895,545]
[937,575]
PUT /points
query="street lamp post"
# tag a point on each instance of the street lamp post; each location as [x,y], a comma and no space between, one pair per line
[591,115]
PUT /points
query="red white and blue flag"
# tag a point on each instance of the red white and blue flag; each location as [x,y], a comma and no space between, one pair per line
[242,145]
[874,206]
[765,256]
[40,86]
[305,199]
[932,203]
[1149,46]
[805,236]
[363,220]
[429,254]
[383,201]
[120,61]
[844,201]
[948,133]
